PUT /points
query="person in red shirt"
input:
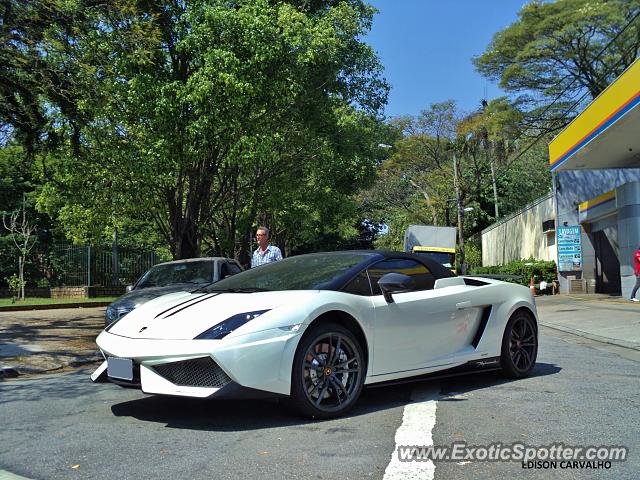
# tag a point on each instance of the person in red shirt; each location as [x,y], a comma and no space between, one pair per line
[636,267]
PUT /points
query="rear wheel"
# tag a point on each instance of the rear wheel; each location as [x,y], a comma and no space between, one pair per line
[328,372]
[519,345]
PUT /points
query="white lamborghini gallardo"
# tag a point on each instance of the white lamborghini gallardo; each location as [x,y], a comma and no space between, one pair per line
[317,328]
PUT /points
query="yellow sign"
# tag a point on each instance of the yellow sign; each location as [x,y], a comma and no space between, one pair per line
[596,202]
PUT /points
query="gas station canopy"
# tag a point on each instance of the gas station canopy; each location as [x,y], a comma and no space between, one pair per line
[607,133]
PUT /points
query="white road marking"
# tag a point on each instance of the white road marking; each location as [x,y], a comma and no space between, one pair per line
[4,475]
[418,420]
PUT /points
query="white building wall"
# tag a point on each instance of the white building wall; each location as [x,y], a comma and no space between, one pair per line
[520,235]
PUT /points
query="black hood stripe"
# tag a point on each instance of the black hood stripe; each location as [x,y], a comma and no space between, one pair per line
[176,306]
[207,297]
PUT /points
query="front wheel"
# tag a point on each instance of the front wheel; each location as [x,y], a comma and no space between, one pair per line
[519,345]
[328,372]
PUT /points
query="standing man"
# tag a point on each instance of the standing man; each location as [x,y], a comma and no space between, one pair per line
[265,253]
[636,268]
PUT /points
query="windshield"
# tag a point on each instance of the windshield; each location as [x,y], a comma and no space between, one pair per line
[188,272]
[314,271]
[443,258]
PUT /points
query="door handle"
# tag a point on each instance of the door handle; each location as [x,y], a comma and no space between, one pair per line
[463,305]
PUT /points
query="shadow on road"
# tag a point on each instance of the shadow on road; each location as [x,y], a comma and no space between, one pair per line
[25,389]
[469,383]
[241,415]
[39,330]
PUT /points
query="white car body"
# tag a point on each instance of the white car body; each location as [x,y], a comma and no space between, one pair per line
[458,324]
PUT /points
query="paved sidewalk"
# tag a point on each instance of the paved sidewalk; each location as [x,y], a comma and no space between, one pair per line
[52,306]
[47,341]
[613,320]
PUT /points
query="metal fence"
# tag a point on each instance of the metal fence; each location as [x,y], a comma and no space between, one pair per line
[90,266]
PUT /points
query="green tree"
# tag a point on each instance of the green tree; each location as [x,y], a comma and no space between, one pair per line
[49,73]
[17,191]
[415,184]
[235,100]
[491,135]
[554,48]
[22,231]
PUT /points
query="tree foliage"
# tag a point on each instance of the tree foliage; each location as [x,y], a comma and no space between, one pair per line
[558,48]
[415,183]
[220,115]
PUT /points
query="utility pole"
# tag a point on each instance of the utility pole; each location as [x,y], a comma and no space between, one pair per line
[456,185]
[493,179]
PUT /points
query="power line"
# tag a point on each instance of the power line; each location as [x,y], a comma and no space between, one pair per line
[541,135]
[606,73]
[575,79]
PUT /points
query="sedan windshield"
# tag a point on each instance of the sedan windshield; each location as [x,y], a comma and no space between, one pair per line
[315,271]
[443,258]
[172,273]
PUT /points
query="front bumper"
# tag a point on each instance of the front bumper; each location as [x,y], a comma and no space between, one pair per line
[256,362]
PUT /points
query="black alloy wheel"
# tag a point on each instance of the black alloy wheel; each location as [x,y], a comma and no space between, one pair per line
[328,372]
[519,345]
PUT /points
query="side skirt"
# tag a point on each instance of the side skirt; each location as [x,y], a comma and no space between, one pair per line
[474,366]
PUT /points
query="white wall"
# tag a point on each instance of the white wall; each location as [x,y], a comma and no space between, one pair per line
[520,235]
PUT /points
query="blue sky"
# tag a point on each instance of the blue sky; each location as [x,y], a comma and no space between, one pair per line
[426,48]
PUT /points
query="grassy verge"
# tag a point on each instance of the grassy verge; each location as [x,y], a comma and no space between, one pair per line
[6,302]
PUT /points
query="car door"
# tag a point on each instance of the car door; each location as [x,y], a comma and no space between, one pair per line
[421,328]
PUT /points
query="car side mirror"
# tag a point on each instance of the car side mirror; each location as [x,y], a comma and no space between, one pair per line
[395,283]
[128,288]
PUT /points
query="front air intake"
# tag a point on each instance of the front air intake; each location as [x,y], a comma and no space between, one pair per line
[198,372]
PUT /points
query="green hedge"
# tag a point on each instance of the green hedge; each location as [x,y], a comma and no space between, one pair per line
[538,269]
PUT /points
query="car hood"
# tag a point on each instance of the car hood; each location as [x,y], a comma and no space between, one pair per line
[139,296]
[184,316]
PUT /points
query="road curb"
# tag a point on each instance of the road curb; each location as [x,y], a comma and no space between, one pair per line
[590,336]
[52,306]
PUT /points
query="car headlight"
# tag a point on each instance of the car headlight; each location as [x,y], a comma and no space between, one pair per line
[114,314]
[227,326]
[111,315]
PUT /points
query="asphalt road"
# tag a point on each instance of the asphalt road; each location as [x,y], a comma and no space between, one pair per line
[63,426]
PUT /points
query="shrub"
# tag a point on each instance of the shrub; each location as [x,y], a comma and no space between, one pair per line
[537,269]
[15,285]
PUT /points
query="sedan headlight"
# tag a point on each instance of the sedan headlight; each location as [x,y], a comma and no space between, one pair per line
[227,326]
[114,314]
[111,315]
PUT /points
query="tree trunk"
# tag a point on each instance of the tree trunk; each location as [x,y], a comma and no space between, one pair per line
[489,153]
[245,246]
[456,183]
[187,243]
[495,188]
[244,256]
[21,276]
